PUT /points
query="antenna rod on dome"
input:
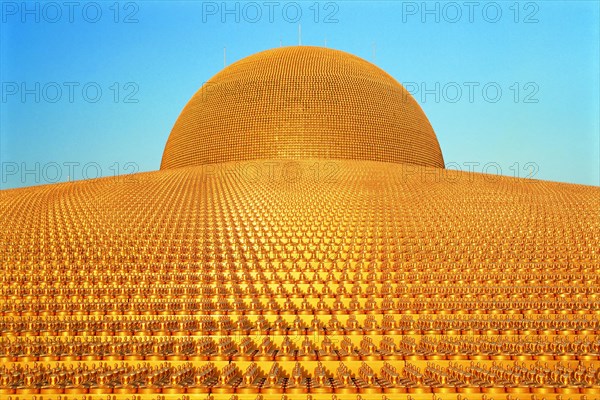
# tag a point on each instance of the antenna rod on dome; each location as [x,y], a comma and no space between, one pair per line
[224,57]
[299,34]
[280,41]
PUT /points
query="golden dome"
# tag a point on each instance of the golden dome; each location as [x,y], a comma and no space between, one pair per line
[305,278]
[302,102]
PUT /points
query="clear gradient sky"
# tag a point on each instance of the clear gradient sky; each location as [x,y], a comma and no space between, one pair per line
[149,57]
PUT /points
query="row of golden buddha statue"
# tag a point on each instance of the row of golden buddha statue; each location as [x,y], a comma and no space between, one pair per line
[302,305]
[147,325]
[326,377]
[420,253]
[302,346]
[292,271]
[296,289]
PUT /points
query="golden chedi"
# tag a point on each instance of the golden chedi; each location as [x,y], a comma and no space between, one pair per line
[302,102]
[302,240]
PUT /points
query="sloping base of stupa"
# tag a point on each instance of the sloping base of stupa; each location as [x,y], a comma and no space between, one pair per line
[318,277]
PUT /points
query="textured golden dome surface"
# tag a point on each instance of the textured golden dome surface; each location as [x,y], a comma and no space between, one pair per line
[334,279]
[312,210]
[302,102]
[249,208]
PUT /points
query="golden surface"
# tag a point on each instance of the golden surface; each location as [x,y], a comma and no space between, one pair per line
[302,102]
[361,269]
[308,279]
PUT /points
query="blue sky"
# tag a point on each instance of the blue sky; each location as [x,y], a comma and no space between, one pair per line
[94,88]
